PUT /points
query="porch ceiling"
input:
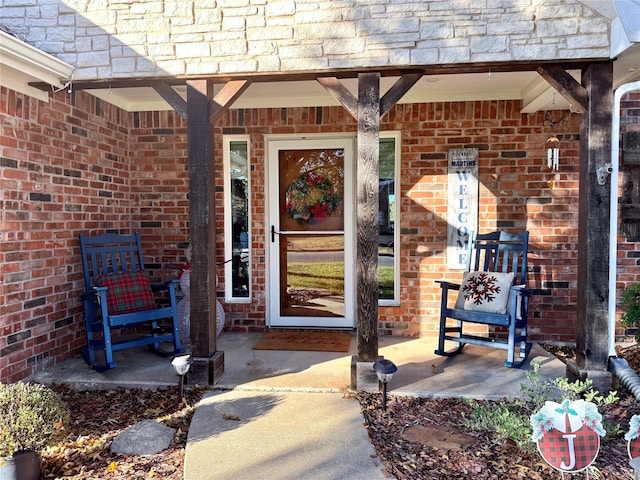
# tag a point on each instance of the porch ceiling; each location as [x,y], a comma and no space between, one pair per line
[536,94]
[528,86]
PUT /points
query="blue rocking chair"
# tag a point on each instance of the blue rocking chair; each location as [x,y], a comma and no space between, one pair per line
[118,295]
[493,258]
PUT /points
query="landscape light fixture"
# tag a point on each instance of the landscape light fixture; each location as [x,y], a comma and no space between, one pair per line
[384,370]
[181,364]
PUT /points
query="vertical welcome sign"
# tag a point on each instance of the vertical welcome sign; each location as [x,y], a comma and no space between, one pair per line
[462,210]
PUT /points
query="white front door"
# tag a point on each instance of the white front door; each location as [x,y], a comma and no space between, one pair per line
[310,234]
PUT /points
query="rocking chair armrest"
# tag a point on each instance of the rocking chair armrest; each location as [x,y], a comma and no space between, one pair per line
[101,293]
[157,287]
[448,285]
[98,295]
[522,290]
[88,295]
[95,292]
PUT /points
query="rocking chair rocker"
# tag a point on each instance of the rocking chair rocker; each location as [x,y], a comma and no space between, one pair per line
[118,295]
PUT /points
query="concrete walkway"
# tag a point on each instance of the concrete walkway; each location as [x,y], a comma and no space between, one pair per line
[248,435]
[287,415]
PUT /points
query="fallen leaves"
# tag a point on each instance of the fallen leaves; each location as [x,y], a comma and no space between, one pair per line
[437,437]
[425,439]
[98,417]
[631,355]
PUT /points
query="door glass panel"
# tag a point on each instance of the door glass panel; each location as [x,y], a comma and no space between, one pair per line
[314,275]
[311,215]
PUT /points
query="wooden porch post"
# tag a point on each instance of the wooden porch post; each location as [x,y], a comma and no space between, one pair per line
[367,110]
[202,233]
[367,178]
[593,229]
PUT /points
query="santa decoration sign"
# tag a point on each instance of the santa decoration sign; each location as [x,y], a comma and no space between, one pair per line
[568,434]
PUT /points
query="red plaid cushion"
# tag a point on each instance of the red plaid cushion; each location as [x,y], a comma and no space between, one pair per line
[127,292]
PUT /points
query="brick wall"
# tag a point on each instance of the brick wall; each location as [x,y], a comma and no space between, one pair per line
[160,186]
[517,191]
[65,168]
[78,165]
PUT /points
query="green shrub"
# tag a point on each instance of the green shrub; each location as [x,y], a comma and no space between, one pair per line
[509,419]
[33,417]
[631,301]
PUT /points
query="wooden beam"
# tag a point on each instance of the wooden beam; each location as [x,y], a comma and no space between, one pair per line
[202,221]
[341,94]
[397,91]
[225,98]
[310,75]
[593,226]
[566,85]
[338,91]
[171,97]
[367,185]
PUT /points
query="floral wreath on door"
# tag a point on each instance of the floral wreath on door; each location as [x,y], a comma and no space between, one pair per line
[311,198]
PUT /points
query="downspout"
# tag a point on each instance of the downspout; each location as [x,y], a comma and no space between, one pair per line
[627,376]
[613,212]
[618,366]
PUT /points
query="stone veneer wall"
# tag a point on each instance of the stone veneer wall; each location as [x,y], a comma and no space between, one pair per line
[126,38]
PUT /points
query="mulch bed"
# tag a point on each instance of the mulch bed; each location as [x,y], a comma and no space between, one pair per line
[98,417]
[426,439]
[631,354]
[419,438]
[416,438]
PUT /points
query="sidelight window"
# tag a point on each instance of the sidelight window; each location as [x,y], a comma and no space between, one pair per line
[237,222]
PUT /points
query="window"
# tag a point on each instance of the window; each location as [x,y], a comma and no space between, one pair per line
[237,224]
[388,212]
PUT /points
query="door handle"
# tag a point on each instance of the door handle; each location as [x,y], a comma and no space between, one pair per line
[273,233]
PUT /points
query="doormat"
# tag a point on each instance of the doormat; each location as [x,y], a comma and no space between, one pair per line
[305,341]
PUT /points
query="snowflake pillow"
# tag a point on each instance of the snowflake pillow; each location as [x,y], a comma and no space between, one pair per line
[485,292]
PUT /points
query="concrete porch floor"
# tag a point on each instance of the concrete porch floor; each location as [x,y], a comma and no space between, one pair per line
[478,372]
